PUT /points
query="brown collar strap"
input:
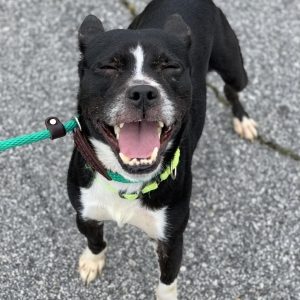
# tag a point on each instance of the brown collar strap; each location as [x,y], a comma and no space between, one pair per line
[84,147]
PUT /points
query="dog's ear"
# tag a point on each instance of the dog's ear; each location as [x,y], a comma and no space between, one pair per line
[175,25]
[90,26]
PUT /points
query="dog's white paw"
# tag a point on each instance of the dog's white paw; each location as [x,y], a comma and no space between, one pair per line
[247,128]
[166,292]
[91,265]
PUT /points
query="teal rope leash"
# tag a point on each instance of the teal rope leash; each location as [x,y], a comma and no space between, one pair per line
[55,130]
[34,137]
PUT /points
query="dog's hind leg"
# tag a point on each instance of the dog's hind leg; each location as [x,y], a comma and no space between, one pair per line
[92,260]
[243,125]
[226,59]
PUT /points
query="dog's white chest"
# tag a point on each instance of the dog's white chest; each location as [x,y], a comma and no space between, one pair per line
[101,204]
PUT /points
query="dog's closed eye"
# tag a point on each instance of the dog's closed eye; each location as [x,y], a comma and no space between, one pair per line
[106,69]
[174,66]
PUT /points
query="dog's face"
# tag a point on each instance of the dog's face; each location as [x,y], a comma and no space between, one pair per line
[135,90]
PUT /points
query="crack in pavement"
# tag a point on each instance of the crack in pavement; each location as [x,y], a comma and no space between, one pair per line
[130,7]
[260,138]
[284,151]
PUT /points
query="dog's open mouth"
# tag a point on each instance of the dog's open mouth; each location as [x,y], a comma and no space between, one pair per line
[138,143]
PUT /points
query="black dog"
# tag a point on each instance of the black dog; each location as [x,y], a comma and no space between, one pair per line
[141,106]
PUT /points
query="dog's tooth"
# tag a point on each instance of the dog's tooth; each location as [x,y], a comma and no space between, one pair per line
[154,154]
[161,124]
[133,162]
[121,125]
[159,131]
[150,161]
[144,161]
[130,163]
[124,158]
[117,131]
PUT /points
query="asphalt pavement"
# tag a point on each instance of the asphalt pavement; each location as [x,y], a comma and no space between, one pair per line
[243,238]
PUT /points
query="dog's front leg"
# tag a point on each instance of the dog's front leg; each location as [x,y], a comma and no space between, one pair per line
[92,260]
[169,256]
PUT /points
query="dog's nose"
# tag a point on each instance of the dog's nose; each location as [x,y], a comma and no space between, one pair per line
[145,95]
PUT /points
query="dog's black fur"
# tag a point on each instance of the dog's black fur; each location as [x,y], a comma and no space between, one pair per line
[203,42]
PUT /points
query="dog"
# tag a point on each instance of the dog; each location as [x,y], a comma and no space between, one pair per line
[141,107]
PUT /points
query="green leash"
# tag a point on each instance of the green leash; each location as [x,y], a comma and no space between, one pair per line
[38,136]
[69,126]
[34,137]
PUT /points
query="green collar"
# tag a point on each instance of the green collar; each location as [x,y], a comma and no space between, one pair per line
[149,187]
[119,178]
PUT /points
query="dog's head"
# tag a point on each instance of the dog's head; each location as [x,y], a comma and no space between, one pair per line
[135,92]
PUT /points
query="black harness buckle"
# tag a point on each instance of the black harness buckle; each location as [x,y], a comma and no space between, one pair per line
[56,128]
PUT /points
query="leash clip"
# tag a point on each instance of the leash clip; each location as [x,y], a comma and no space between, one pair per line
[78,123]
[55,127]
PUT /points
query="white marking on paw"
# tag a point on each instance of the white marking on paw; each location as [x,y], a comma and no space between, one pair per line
[90,265]
[166,292]
[247,128]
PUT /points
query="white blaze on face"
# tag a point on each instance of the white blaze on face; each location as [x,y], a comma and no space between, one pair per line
[138,54]
[139,77]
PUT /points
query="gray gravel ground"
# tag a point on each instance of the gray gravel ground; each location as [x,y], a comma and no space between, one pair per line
[243,237]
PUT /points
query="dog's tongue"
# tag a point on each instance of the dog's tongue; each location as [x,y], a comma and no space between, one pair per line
[138,139]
